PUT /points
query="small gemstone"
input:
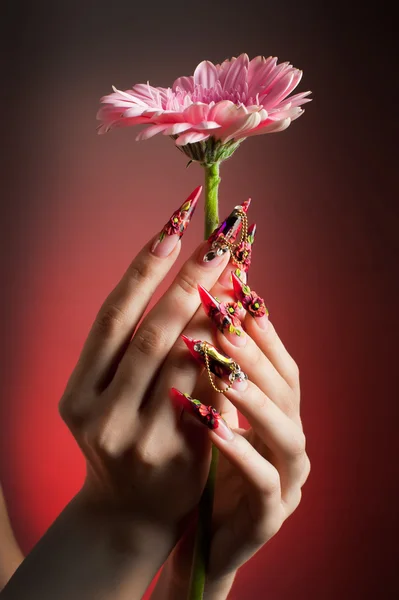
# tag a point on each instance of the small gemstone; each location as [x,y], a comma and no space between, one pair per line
[210,256]
[197,347]
[256,305]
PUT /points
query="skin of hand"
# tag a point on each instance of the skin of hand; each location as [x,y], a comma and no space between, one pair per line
[261,470]
[146,468]
[10,553]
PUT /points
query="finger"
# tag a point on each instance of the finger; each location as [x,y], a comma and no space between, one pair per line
[262,477]
[277,431]
[124,307]
[152,342]
[164,323]
[239,345]
[259,327]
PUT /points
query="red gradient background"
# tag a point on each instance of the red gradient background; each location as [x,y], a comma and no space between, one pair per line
[78,207]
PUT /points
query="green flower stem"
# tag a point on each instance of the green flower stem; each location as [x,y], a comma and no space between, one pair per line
[204,526]
[212,181]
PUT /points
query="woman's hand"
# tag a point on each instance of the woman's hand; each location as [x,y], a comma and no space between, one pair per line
[261,470]
[10,554]
[145,467]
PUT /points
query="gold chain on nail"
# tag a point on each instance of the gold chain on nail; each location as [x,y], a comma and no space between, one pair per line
[208,368]
[243,237]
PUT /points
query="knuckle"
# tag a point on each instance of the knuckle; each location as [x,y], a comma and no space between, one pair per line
[272,483]
[145,457]
[306,470]
[294,372]
[298,445]
[110,318]
[150,341]
[270,526]
[261,403]
[287,402]
[138,272]
[70,409]
[293,501]
[187,284]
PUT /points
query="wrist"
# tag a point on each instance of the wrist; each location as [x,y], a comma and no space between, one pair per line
[91,552]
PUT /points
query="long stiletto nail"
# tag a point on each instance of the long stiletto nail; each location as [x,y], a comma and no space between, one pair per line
[250,300]
[219,314]
[220,364]
[242,254]
[176,226]
[207,415]
[227,232]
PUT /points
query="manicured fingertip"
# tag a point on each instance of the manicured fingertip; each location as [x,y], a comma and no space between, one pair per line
[207,415]
[223,431]
[176,226]
[165,247]
[263,322]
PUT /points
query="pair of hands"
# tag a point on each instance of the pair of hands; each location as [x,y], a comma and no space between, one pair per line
[148,459]
[145,457]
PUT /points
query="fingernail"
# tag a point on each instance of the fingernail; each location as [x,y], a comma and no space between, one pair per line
[240,385]
[226,233]
[250,300]
[222,315]
[176,226]
[207,415]
[220,364]
[242,255]
[211,262]
[263,322]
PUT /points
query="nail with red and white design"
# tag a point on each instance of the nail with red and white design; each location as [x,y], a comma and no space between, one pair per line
[176,226]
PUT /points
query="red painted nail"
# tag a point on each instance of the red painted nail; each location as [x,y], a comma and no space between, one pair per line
[220,364]
[176,226]
[207,415]
[250,300]
[226,232]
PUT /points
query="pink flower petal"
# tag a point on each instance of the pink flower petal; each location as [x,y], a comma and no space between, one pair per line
[148,94]
[274,76]
[206,125]
[226,112]
[205,74]
[239,128]
[196,113]
[191,138]
[127,96]
[237,73]
[278,92]
[184,83]
[299,99]
[270,127]
[177,128]
[149,132]
[133,111]
[258,71]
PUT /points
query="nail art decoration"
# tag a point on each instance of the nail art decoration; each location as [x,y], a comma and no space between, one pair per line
[215,361]
[250,300]
[219,313]
[242,253]
[180,219]
[207,415]
[224,236]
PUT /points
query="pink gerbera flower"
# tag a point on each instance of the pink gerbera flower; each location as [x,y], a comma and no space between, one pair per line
[219,104]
